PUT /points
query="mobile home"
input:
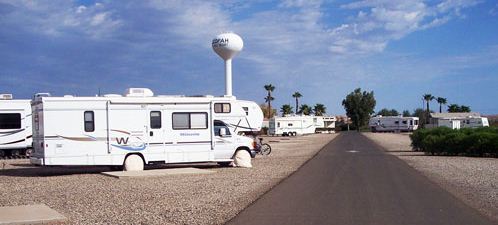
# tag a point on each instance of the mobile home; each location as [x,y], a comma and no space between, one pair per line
[393,124]
[15,126]
[134,130]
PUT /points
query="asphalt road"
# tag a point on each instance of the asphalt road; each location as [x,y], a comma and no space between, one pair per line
[352,181]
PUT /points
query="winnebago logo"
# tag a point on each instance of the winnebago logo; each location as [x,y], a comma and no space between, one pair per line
[220,42]
[129,142]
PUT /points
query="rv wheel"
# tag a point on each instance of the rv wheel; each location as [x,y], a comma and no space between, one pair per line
[15,153]
[133,163]
[2,153]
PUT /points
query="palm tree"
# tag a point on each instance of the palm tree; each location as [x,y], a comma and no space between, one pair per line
[442,101]
[319,109]
[286,109]
[269,88]
[305,109]
[427,98]
[297,95]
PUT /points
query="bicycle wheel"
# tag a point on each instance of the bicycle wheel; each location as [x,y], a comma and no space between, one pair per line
[265,149]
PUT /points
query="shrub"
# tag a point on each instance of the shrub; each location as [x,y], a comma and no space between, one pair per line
[445,141]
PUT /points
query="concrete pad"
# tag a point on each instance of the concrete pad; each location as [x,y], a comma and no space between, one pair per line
[29,214]
[156,173]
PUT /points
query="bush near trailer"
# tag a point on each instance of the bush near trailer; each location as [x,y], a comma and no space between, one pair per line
[466,142]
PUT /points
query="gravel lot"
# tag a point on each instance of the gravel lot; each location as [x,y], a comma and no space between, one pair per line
[473,180]
[86,197]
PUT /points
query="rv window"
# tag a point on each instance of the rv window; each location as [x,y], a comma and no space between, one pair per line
[189,121]
[155,119]
[411,122]
[289,125]
[218,125]
[198,121]
[246,109]
[416,122]
[396,122]
[278,124]
[89,121]
[222,107]
[10,120]
[404,122]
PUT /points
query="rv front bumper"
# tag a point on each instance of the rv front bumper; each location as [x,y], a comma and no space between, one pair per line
[36,161]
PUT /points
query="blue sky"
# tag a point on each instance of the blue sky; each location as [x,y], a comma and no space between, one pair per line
[323,49]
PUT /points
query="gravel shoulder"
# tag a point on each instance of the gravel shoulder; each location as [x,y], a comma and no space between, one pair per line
[473,180]
[86,197]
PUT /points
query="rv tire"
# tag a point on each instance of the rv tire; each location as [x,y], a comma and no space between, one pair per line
[133,163]
[224,164]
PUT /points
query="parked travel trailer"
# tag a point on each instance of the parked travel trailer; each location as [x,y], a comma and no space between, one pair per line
[466,120]
[474,122]
[135,129]
[393,123]
[15,126]
[291,125]
[324,124]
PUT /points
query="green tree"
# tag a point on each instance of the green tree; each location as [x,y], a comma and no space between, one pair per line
[286,109]
[319,109]
[359,106]
[297,95]
[269,88]
[458,108]
[441,101]
[264,108]
[428,98]
[387,112]
[406,113]
[305,109]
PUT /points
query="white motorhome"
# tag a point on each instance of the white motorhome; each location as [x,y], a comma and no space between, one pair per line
[393,123]
[291,125]
[15,126]
[133,130]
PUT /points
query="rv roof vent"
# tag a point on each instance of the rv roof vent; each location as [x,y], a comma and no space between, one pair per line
[112,95]
[208,96]
[39,95]
[139,92]
[68,96]
[6,96]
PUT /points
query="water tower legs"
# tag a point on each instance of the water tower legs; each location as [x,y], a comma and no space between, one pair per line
[228,77]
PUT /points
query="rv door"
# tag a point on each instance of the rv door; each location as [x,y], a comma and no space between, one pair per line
[127,128]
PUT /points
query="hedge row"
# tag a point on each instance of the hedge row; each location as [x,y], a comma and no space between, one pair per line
[467,141]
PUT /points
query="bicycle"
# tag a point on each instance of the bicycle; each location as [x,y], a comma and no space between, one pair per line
[263,148]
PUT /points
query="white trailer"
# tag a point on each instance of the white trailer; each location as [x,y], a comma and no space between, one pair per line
[393,124]
[291,125]
[133,130]
[15,126]
[324,124]
[474,122]
[242,117]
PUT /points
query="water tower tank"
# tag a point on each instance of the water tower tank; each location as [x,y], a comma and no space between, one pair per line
[227,46]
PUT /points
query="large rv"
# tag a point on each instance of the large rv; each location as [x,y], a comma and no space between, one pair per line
[135,129]
[15,126]
[393,124]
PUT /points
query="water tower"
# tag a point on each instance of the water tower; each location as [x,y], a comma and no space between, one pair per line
[227,46]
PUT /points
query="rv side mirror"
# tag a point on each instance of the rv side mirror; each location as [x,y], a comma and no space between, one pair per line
[223,131]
